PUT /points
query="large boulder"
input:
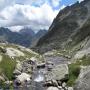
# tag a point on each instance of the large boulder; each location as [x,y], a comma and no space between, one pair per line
[41,65]
[59,72]
[83,81]
[23,77]
[52,88]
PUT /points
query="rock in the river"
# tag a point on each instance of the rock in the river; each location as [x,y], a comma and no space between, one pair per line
[64,84]
[83,82]
[59,82]
[41,65]
[23,77]
[52,88]
[59,72]
[70,88]
[48,83]
[49,65]
[54,82]
[51,83]
[60,87]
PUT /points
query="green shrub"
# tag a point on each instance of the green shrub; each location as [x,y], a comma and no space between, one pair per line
[85,60]
[74,70]
[7,66]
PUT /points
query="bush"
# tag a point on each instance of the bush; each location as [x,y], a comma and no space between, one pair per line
[85,60]
[74,70]
[7,66]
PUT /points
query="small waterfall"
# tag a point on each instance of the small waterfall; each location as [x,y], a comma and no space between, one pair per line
[38,80]
[39,77]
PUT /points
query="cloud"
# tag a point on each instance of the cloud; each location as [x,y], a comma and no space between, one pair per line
[15,28]
[62,7]
[37,14]
[5,3]
[56,3]
[36,17]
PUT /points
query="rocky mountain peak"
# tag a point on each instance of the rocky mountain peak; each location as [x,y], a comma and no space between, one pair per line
[68,28]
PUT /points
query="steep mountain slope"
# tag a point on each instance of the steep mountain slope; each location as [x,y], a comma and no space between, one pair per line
[25,37]
[27,31]
[13,37]
[70,29]
[28,35]
[69,36]
[37,36]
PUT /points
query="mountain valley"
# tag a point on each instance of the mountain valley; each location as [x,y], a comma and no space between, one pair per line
[57,59]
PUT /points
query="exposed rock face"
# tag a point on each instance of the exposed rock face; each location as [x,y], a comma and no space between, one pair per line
[58,73]
[37,36]
[82,53]
[85,51]
[14,52]
[69,28]
[83,82]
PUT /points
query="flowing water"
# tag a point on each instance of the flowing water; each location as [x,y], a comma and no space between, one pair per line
[38,78]
[36,82]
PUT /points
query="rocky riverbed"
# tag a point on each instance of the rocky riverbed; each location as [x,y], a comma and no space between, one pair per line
[51,73]
[48,75]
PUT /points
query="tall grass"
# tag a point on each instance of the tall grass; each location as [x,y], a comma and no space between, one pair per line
[7,66]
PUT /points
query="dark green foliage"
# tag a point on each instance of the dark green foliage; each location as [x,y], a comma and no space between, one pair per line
[85,61]
[74,69]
